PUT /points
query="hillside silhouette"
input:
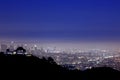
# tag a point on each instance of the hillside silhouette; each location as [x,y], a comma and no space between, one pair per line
[47,69]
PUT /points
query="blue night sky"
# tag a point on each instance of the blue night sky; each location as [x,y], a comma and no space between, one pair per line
[60,19]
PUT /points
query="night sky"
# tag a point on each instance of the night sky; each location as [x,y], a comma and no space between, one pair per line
[60,19]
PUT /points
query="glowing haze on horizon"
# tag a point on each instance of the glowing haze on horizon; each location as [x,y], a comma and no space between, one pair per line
[83,23]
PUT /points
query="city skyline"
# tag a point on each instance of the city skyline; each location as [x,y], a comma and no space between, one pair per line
[68,38]
[82,46]
[77,59]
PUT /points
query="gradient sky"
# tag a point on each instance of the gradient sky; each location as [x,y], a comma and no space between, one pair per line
[60,19]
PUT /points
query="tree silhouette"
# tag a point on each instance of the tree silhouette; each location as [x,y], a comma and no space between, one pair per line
[7,51]
[1,53]
[51,60]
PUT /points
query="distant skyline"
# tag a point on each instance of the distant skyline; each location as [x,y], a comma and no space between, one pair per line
[60,20]
[67,45]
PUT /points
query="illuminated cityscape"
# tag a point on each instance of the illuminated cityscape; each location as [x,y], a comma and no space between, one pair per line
[74,39]
[73,59]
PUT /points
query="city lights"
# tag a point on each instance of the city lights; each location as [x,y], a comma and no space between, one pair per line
[76,58]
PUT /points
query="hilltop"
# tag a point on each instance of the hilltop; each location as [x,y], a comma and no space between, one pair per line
[47,68]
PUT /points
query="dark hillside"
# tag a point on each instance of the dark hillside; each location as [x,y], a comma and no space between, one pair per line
[33,67]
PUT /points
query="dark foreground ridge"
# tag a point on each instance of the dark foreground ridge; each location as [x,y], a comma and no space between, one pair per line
[47,69]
